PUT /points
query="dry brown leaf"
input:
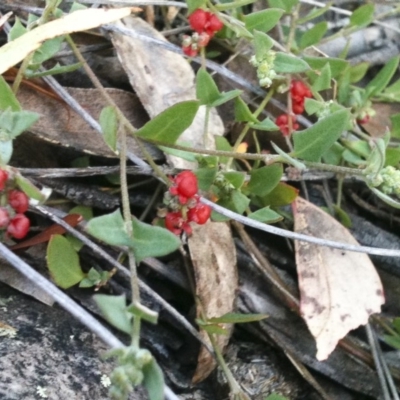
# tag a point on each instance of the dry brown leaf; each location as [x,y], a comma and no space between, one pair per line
[339,289]
[16,50]
[61,125]
[7,330]
[161,79]
[214,260]
[380,122]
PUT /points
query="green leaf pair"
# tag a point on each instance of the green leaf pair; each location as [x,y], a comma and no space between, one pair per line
[147,240]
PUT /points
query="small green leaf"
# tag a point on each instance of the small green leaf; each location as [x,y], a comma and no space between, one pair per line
[15,122]
[63,262]
[185,155]
[153,380]
[29,188]
[313,35]
[286,5]
[235,178]
[86,283]
[266,215]
[17,30]
[363,15]
[234,4]
[264,20]
[311,143]
[223,145]
[236,318]
[194,5]
[6,150]
[109,126]
[343,217]
[206,90]
[235,201]
[47,50]
[7,98]
[393,341]
[264,180]
[224,97]
[287,159]
[392,156]
[395,131]
[143,312]
[314,13]
[287,64]
[396,325]
[215,329]
[114,311]
[382,78]
[76,6]
[242,112]
[323,80]
[262,44]
[282,195]
[358,71]
[152,241]
[110,229]
[85,211]
[337,65]
[334,154]
[171,123]
[353,158]
[206,177]
[276,397]
[266,125]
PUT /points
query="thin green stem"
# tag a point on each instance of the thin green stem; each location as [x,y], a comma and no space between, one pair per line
[21,71]
[235,388]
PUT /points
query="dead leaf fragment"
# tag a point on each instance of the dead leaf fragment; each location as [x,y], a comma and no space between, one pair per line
[57,125]
[339,289]
[213,254]
[161,79]
[16,50]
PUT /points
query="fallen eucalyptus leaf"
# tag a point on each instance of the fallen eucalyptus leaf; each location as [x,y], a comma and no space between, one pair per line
[16,50]
[213,255]
[339,289]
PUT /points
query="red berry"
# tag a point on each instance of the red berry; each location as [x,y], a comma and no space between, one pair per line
[283,123]
[186,183]
[199,214]
[4,218]
[3,178]
[298,107]
[298,91]
[198,20]
[189,51]
[175,223]
[214,24]
[18,200]
[19,226]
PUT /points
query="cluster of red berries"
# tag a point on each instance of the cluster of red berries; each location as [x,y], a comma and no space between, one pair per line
[184,199]
[14,204]
[205,24]
[298,92]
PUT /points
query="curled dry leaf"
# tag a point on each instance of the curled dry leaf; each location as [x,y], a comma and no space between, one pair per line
[16,50]
[161,79]
[61,125]
[339,289]
[214,260]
